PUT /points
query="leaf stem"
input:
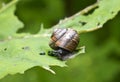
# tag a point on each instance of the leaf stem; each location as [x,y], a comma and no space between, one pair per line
[82,12]
[87,9]
[8,5]
[47,34]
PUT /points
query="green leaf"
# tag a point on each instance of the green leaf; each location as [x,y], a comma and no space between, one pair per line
[9,23]
[20,53]
[84,23]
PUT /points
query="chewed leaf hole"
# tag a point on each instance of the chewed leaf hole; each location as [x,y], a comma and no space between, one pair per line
[98,24]
[42,53]
[91,11]
[26,48]
[5,49]
[83,23]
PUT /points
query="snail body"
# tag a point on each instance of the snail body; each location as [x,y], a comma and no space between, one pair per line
[64,42]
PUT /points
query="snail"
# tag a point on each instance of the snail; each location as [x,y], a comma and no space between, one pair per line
[64,42]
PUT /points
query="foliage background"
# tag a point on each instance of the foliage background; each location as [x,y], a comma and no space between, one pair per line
[100,63]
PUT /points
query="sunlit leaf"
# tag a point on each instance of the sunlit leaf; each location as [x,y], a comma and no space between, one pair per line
[19,53]
[9,23]
[84,23]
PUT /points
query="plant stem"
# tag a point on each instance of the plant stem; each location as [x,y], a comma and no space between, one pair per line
[87,9]
[8,5]
[82,12]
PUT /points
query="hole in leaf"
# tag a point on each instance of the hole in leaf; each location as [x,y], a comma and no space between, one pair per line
[5,49]
[42,53]
[83,23]
[98,24]
[26,48]
[90,12]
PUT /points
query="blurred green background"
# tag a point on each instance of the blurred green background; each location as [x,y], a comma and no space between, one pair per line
[100,63]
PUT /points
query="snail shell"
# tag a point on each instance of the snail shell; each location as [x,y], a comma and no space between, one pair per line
[67,39]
